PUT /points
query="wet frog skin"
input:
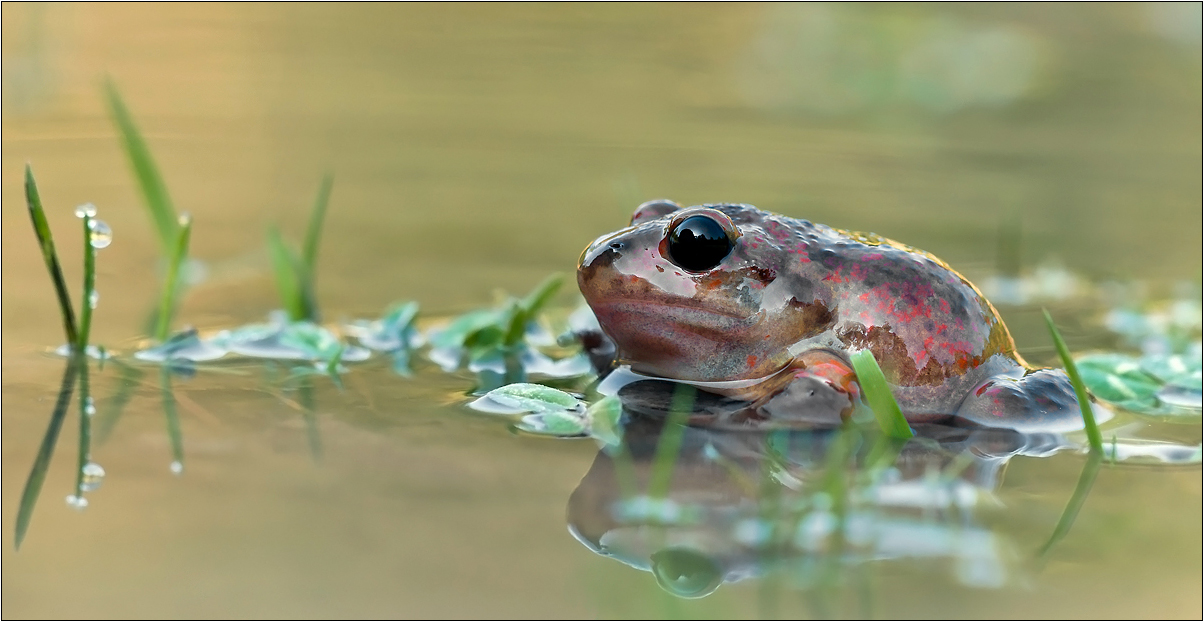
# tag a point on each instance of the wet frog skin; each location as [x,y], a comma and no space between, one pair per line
[767,309]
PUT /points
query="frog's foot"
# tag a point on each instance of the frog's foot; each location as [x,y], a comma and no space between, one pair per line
[1041,401]
[819,390]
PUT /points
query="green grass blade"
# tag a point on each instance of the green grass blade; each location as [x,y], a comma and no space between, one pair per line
[179,251]
[46,241]
[878,395]
[1081,490]
[314,232]
[288,277]
[309,411]
[1080,390]
[669,444]
[85,314]
[540,296]
[154,191]
[37,475]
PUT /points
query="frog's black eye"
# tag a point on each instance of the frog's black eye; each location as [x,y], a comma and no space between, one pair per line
[698,243]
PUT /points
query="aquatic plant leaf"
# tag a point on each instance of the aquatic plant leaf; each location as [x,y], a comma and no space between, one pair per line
[1177,369]
[1165,386]
[171,288]
[525,397]
[560,424]
[604,419]
[185,345]
[154,190]
[314,231]
[878,395]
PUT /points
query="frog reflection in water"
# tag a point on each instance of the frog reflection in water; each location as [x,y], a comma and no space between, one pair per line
[745,504]
[767,309]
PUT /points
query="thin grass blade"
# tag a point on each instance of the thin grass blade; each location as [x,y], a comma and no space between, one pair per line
[154,190]
[288,278]
[178,251]
[85,314]
[878,395]
[1094,438]
[37,475]
[46,241]
[314,232]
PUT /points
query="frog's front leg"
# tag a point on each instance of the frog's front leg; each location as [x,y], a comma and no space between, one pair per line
[818,390]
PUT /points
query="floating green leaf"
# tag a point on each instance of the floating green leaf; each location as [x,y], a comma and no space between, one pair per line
[560,424]
[525,397]
[878,395]
[1166,386]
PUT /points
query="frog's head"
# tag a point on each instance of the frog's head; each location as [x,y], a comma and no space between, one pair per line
[701,293]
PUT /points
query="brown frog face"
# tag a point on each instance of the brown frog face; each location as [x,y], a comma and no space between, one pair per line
[696,293]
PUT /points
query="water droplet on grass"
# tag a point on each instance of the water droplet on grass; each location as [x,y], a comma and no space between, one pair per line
[101,235]
[177,467]
[87,210]
[94,475]
[89,406]
[93,299]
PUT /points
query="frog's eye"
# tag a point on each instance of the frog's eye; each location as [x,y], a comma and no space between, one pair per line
[698,242]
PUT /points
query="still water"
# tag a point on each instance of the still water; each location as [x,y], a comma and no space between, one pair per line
[480,148]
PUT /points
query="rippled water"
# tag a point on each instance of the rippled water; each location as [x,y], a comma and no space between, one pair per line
[477,148]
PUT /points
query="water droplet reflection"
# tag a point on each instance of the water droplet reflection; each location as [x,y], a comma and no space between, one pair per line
[177,467]
[78,503]
[87,210]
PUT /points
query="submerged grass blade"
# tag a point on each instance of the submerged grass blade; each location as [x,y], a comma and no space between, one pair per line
[289,278]
[1080,390]
[115,406]
[179,251]
[46,241]
[877,393]
[1081,490]
[314,232]
[305,393]
[37,475]
[669,444]
[154,191]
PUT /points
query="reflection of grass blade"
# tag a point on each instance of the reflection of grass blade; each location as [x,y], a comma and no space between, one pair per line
[174,435]
[314,232]
[85,427]
[46,241]
[154,191]
[309,412]
[290,278]
[37,475]
[179,251]
[1080,391]
[114,406]
[877,393]
[669,443]
[1081,490]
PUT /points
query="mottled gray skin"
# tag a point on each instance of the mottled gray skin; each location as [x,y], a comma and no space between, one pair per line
[791,293]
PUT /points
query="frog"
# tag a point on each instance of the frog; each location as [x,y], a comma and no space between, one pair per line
[767,310]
